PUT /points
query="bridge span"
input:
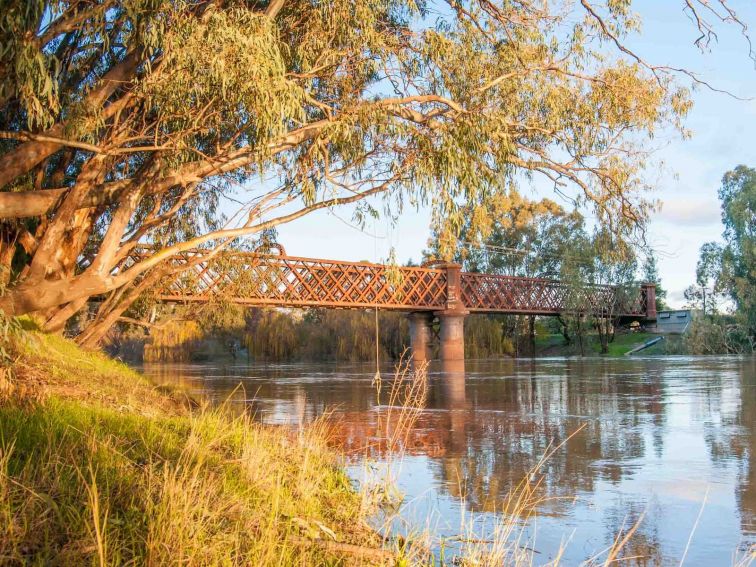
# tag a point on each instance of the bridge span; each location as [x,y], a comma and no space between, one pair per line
[437,289]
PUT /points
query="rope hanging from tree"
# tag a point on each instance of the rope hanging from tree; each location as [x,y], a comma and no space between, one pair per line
[377,376]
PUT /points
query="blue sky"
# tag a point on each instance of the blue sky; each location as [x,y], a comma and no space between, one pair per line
[687,183]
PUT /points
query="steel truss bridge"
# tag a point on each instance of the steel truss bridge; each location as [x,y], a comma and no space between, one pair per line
[274,278]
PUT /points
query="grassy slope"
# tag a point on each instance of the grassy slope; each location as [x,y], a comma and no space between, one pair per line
[553,345]
[623,343]
[99,466]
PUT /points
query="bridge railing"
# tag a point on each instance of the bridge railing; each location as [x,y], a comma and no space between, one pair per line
[270,279]
[254,278]
[538,296]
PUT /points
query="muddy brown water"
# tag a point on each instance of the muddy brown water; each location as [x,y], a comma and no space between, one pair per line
[662,439]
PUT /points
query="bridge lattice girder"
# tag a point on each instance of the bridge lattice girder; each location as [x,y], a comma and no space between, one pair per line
[289,281]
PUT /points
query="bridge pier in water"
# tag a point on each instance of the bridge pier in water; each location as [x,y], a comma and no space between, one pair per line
[421,332]
[452,335]
[452,323]
[452,332]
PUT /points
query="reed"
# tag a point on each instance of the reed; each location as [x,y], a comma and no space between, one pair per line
[97,466]
[507,540]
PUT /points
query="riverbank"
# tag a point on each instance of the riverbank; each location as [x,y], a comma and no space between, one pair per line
[265,335]
[98,465]
[623,343]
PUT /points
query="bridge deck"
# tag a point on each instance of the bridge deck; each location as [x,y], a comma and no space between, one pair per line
[290,281]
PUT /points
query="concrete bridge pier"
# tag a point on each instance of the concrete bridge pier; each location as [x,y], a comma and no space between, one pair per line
[452,397]
[420,336]
[452,335]
[452,318]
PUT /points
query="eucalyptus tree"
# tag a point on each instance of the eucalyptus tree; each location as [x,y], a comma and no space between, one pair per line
[614,264]
[728,270]
[512,235]
[576,270]
[599,270]
[186,124]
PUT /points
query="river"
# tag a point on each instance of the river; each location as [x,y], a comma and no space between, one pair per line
[670,441]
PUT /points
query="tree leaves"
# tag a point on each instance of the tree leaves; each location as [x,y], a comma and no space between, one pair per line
[217,121]
[731,268]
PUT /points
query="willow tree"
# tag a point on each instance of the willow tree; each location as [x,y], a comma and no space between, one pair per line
[186,124]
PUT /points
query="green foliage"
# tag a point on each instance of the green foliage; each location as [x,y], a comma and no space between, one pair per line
[272,336]
[485,337]
[221,317]
[729,269]
[512,235]
[243,77]
[32,72]
[650,274]
[599,259]
[718,334]
[327,334]
[191,124]
[173,341]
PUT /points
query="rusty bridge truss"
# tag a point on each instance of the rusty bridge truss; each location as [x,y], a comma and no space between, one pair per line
[276,279]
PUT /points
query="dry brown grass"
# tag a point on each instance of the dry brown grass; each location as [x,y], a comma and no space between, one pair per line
[97,466]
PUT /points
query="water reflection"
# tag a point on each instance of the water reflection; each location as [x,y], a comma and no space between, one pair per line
[657,436]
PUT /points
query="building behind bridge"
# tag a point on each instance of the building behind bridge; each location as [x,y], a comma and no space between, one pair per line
[673,321]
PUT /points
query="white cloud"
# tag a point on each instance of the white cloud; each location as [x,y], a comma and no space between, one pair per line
[690,212]
[676,298]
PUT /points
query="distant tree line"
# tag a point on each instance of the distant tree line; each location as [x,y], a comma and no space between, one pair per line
[269,334]
[516,236]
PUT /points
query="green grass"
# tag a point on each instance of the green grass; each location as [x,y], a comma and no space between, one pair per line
[554,345]
[548,343]
[624,343]
[98,466]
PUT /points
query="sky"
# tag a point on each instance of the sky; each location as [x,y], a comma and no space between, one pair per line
[686,183]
